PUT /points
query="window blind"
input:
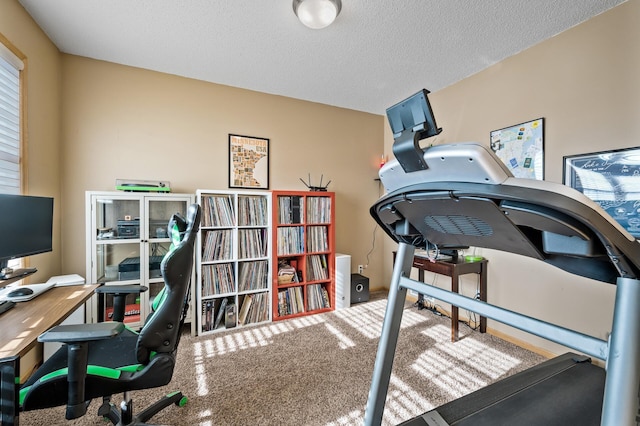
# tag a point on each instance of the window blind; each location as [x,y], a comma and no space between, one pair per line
[10,67]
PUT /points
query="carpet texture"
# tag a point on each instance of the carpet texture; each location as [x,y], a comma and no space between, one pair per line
[316,370]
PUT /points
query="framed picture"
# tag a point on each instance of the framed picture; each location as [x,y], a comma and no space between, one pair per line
[611,179]
[521,148]
[248,162]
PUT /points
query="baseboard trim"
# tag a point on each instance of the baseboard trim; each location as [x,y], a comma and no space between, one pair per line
[508,338]
[521,343]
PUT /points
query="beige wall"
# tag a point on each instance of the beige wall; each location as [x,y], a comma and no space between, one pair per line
[42,99]
[585,83]
[124,122]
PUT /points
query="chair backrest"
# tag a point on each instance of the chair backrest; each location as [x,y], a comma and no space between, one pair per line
[9,390]
[161,332]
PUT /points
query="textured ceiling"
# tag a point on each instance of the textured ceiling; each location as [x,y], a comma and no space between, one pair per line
[376,53]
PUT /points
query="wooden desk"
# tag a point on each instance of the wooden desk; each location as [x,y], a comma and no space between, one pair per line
[21,326]
[454,269]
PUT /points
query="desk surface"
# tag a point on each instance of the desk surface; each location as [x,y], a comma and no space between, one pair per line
[21,326]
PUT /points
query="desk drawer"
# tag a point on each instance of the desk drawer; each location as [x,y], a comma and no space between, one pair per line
[437,267]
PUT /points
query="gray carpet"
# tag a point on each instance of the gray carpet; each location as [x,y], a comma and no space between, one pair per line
[316,370]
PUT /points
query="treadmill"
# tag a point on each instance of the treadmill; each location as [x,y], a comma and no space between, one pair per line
[460,195]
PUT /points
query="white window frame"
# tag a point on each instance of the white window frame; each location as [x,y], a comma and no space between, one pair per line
[12,167]
[11,120]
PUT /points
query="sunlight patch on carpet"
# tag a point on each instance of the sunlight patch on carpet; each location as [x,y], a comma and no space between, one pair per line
[367,318]
[208,414]
[446,373]
[491,361]
[354,418]
[461,367]
[307,321]
[343,341]
[402,402]
[201,376]
[470,351]
[253,336]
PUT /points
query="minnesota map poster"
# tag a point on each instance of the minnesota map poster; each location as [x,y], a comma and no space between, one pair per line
[248,162]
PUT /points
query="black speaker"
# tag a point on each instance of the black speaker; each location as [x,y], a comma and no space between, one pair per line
[359,288]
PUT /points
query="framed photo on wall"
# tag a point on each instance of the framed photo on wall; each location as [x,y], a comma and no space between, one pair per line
[611,179]
[521,148]
[248,162]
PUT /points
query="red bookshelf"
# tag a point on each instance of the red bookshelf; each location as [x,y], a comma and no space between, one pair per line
[303,253]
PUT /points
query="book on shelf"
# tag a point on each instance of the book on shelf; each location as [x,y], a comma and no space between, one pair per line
[325,297]
[244,309]
[209,314]
[290,240]
[318,209]
[290,301]
[317,268]
[296,209]
[252,243]
[217,279]
[253,275]
[252,210]
[317,297]
[221,311]
[289,208]
[207,309]
[317,239]
[230,315]
[259,309]
[217,210]
[217,245]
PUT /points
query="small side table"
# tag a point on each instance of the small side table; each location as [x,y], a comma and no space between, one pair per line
[454,269]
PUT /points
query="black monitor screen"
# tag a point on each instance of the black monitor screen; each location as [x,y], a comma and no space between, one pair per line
[26,225]
[414,113]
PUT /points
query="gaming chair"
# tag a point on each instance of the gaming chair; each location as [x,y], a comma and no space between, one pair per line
[99,360]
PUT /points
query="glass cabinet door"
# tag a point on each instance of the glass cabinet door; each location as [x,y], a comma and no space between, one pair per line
[117,261]
[117,251]
[117,246]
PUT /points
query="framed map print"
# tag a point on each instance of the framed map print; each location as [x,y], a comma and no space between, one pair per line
[611,179]
[248,162]
[521,148]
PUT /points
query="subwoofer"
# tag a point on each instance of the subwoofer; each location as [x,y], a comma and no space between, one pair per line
[359,288]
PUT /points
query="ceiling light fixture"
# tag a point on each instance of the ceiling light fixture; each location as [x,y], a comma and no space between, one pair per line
[317,14]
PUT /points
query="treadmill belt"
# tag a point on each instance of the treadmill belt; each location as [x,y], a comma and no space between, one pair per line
[566,390]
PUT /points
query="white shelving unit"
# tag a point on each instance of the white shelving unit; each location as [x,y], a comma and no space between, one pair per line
[233,260]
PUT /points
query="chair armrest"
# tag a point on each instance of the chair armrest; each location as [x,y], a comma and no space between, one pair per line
[121,289]
[82,332]
[120,293]
[77,338]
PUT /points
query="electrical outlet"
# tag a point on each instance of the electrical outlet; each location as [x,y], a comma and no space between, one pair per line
[360,269]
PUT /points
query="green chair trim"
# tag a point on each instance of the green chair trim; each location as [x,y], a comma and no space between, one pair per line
[93,370]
